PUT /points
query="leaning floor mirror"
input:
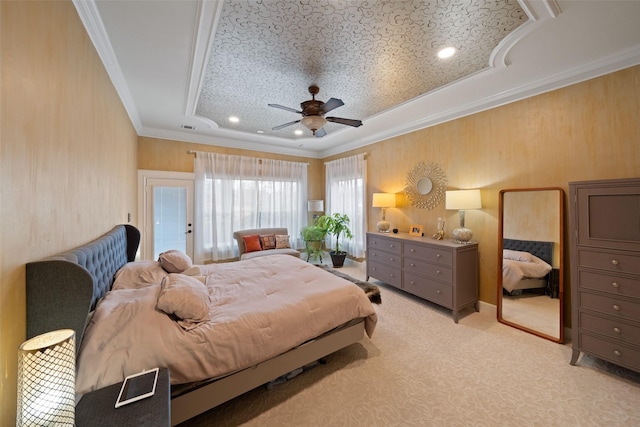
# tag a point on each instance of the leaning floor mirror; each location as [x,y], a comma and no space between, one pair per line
[530,261]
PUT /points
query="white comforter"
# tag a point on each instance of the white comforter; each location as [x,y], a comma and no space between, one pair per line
[517,266]
[259,309]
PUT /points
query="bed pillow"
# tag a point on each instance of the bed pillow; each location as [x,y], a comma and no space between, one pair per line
[518,256]
[138,274]
[282,241]
[268,241]
[174,261]
[252,243]
[185,298]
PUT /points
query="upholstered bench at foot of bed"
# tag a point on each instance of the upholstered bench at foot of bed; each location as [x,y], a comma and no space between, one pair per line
[238,235]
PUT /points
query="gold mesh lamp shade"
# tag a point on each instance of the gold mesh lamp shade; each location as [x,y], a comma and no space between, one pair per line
[384,201]
[47,380]
[462,200]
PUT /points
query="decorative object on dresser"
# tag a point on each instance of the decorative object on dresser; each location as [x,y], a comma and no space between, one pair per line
[439,235]
[605,270]
[530,293]
[462,200]
[384,201]
[415,230]
[440,271]
[47,379]
[426,185]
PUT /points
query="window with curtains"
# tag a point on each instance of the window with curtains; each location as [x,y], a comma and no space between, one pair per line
[238,193]
[346,184]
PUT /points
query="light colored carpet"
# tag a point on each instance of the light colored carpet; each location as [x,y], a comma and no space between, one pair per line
[421,369]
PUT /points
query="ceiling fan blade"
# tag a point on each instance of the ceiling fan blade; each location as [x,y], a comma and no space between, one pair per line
[282,107]
[320,133]
[331,104]
[285,125]
[348,122]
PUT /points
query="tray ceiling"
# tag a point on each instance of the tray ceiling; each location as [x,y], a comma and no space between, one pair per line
[183,67]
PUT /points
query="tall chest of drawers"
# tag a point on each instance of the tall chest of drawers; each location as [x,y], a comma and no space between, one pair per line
[605,270]
[440,271]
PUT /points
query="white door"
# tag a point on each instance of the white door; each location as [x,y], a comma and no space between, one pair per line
[168,216]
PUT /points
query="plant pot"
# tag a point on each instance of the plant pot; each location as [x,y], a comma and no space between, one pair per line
[314,249]
[338,258]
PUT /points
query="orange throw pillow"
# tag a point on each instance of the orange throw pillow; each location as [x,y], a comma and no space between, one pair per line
[252,243]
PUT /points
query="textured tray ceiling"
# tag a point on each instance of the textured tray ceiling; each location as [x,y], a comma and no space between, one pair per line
[373,55]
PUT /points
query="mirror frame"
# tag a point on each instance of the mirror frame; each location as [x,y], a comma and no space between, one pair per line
[561,267]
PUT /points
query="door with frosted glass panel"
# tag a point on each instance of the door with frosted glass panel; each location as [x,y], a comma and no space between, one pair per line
[169,207]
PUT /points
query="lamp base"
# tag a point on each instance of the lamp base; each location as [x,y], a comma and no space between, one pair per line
[383,226]
[462,235]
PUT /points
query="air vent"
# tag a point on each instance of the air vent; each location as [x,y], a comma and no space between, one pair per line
[188,127]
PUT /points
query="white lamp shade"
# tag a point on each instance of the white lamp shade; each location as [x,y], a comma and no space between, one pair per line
[463,199]
[315,205]
[47,379]
[384,200]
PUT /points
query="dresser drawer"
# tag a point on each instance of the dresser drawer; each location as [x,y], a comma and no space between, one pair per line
[609,261]
[616,285]
[611,306]
[611,328]
[439,255]
[433,270]
[389,258]
[385,273]
[615,352]
[423,287]
[385,244]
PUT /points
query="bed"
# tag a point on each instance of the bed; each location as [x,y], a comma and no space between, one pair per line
[526,265]
[74,290]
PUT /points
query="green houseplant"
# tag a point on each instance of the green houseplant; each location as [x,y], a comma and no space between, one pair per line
[336,225]
[313,236]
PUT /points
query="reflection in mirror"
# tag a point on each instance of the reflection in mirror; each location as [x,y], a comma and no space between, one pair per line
[530,261]
[424,186]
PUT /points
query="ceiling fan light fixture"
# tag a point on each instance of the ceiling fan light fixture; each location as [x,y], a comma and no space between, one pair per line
[313,123]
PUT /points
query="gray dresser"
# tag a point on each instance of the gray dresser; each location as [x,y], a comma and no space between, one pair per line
[440,271]
[605,270]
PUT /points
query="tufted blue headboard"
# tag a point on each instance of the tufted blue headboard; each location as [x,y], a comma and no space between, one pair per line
[543,250]
[64,288]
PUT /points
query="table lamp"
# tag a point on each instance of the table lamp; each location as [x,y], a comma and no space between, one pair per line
[462,200]
[47,380]
[315,207]
[384,201]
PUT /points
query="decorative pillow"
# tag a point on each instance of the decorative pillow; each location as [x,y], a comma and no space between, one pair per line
[194,270]
[186,298]
[252,243]
[268,241]
[282,241]
[138,274]
[518,255]
[174,261]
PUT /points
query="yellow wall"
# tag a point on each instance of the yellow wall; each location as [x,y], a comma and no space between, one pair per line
[586,131]
[68,156]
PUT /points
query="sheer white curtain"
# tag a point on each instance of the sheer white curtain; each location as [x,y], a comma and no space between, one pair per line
[346,193]
[237,193]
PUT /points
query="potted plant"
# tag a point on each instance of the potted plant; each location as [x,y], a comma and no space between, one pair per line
[336,225]
[313,236]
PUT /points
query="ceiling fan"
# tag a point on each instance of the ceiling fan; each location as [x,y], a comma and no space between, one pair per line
[313,112]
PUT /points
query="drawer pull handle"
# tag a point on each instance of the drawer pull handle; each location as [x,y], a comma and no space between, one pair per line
[392,276]
[412,250]
[616,307]
[437,271]
[617,353]
[412,282]
[615,284]
[438,255]
[438,292]
[412,265]
[391,259]
[614,261]
[616,330]
[392,246]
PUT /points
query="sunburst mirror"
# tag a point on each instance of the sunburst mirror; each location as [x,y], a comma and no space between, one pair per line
[426,185]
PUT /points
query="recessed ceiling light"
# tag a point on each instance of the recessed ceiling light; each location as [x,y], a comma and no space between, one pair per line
[298,132]
[447,52]
[260,131]
[234,119]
